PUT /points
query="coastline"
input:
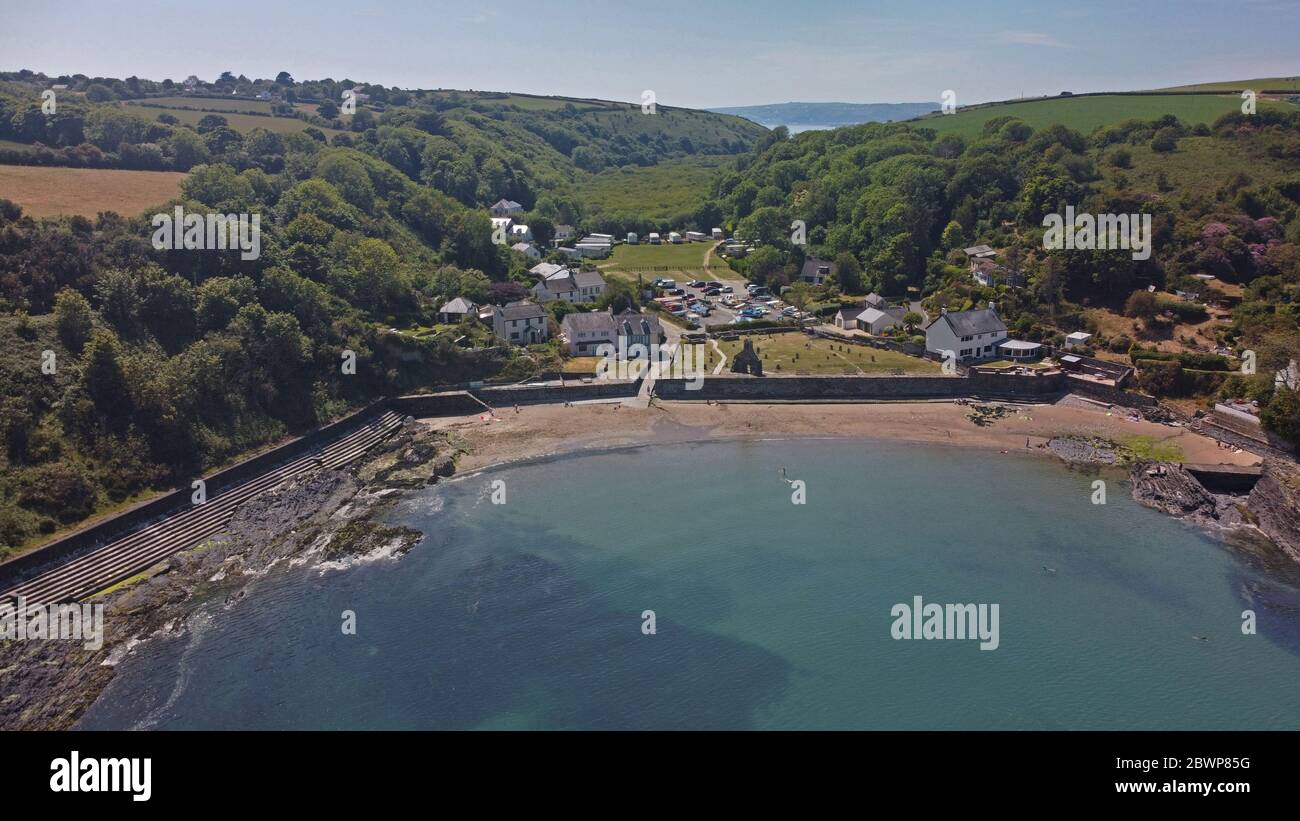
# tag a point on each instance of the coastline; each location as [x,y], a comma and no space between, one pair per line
[328,520]
[538,431]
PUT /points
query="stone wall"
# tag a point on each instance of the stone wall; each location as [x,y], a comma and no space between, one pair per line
[1107,393]
[863,387]
[459,403]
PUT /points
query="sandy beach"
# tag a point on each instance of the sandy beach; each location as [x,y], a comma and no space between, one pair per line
[547,430]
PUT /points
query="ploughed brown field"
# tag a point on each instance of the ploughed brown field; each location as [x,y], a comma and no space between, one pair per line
[46,192]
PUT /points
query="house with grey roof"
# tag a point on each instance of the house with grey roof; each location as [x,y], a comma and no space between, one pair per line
[556,287]
[456,310]
[521,323]
[546,270]
[570,286]
[969,335]
[506,208]
[817,271]
[527,249]
[872,320]
[586,332]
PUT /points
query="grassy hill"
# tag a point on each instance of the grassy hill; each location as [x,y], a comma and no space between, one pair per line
[1258,84]
[1084,113]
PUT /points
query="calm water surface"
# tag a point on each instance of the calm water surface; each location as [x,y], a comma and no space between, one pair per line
[768,614]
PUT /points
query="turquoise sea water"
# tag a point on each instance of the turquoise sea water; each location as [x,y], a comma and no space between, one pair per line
[768,614]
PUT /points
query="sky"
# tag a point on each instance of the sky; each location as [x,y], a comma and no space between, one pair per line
[704,53]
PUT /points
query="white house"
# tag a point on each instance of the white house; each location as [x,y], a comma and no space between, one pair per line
[590,285]
[872,320]
[971,335]
[527,249]
[585,333]
[521,233]
[506,208]
[521,323]
[571,286]
[456,310]
[561,287]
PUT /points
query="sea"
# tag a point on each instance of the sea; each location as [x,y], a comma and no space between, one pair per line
[750,585]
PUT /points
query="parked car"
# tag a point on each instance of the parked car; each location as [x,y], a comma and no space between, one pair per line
[713,292]
[695,283]
[727,289]
[675,292]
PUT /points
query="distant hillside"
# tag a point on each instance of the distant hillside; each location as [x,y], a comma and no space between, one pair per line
[800,116]
[1085,112]
[1258,84]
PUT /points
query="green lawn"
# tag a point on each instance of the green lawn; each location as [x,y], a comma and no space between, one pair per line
[675,261]
[1086,113]
[793,353]
[667,191]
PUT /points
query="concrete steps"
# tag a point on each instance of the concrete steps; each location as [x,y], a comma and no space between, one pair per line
[105,566]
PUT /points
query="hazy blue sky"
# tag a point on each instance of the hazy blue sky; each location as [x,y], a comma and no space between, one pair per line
[701,53]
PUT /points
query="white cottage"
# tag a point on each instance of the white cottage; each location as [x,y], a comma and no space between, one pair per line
[971,335]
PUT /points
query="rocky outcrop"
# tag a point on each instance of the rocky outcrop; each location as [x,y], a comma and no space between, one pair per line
[323,519]
[1170,489]
[1275,504]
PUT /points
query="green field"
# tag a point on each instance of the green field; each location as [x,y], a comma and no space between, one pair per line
[794,353]
[210,103]
[675,261]
[243,123]
[665,191]
[1086,113]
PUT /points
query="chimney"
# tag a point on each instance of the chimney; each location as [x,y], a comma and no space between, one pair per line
[943,310]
